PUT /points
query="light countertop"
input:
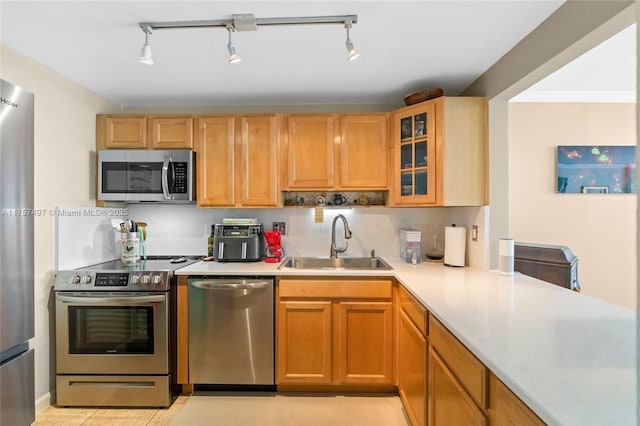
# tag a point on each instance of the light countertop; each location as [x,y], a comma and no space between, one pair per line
[570,357]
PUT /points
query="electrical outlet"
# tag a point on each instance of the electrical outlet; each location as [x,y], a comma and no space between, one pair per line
[474,233]
[280,226]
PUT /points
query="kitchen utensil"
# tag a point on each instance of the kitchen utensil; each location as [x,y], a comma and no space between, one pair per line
[434,255]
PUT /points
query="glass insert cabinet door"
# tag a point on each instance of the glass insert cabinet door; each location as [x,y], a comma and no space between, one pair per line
[416,155]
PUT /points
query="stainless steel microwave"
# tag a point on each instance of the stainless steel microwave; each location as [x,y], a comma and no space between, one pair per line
[137,175]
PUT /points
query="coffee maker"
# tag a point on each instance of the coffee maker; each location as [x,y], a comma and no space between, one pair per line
[273,252]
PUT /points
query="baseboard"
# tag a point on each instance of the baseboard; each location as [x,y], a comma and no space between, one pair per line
[43,403]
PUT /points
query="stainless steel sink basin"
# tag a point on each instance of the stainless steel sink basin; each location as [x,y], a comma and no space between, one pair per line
[364,263]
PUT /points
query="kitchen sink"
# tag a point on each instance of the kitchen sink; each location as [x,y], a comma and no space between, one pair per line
[364,263]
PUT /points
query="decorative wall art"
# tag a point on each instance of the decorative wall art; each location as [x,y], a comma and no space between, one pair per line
[596,169]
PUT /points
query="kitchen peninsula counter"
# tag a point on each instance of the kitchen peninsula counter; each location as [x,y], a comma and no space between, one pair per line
[570,357]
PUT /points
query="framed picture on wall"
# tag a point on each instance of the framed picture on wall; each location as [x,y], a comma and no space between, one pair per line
[596,169]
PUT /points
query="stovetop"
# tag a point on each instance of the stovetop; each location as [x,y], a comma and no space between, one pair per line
[153,274]
[152,263]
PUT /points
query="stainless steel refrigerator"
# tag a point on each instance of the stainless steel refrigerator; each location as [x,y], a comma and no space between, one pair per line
[17,392]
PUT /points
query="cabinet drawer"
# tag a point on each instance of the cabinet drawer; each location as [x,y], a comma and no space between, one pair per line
[413,309]
[336,289]
[469,371]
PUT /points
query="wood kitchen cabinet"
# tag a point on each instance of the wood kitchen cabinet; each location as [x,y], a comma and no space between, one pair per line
[458,381]
[336,151]
[412,350]
[121,132]
[310,151]
[334,332]
[440,153]
[362,154]
[144,132]
[506,409]
[237,161]
[171,132]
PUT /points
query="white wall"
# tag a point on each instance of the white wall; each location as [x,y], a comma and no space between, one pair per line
[599,229]
[181,230]
[64,154]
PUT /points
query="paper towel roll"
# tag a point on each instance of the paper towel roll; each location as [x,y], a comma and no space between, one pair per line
[455,245]
[505,256]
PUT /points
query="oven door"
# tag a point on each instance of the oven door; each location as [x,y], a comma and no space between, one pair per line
[112,333]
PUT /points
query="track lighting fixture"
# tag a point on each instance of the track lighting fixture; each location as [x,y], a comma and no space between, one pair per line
[352,52]
[246,22]
[145,56]
[233,56]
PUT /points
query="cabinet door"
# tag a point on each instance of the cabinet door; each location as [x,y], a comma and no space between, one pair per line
[363,151]
[412,369]
[215,161]
[364,339]
[506,409]
[415,166]
[256,181]
[125,132]
[171,132]
[304,349]
[310,151]
[449,404]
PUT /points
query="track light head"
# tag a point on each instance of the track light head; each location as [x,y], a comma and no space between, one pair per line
[233,56]
[352,53]
[145,55]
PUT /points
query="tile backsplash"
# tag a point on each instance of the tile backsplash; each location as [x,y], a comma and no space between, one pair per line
[183,230]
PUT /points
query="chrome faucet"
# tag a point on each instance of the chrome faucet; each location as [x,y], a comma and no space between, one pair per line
[347,234]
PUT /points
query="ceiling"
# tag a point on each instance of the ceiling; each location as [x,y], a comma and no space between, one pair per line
[404,46]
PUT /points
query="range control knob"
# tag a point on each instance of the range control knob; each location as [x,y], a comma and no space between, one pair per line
[156,279]
[145,279]
[75,279]
[86,279]
[135,279]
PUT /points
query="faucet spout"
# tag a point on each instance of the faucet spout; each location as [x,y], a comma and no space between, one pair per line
[347,235]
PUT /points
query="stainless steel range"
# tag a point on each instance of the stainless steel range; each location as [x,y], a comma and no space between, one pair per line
[114,333]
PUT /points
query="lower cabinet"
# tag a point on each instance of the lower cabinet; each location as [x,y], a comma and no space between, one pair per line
[412,370]
[506,409]
[334,332]
[450,404]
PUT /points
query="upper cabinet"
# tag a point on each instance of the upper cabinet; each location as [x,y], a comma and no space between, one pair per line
[237,161]
[362,156]
[310,151]
[336,151]
[171,132]
[116,132]
[440,153]
[144,132]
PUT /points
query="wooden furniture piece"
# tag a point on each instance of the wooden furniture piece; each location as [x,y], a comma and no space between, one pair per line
[440,153]
[334,332]
[507,409]
[412,350]
[237,161]
[554,264]
[458,381]
[144,132]
[336,152]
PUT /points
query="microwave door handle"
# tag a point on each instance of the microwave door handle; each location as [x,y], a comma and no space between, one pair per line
[165,178]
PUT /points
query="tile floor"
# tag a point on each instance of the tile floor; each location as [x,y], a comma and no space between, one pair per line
[228,409]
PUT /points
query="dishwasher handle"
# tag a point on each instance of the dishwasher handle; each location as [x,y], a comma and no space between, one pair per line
[228,285]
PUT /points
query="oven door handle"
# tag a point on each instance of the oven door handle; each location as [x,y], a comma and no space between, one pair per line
[221,285]
[90,300]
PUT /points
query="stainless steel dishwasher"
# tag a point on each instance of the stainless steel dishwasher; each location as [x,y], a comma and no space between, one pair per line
[231,331]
